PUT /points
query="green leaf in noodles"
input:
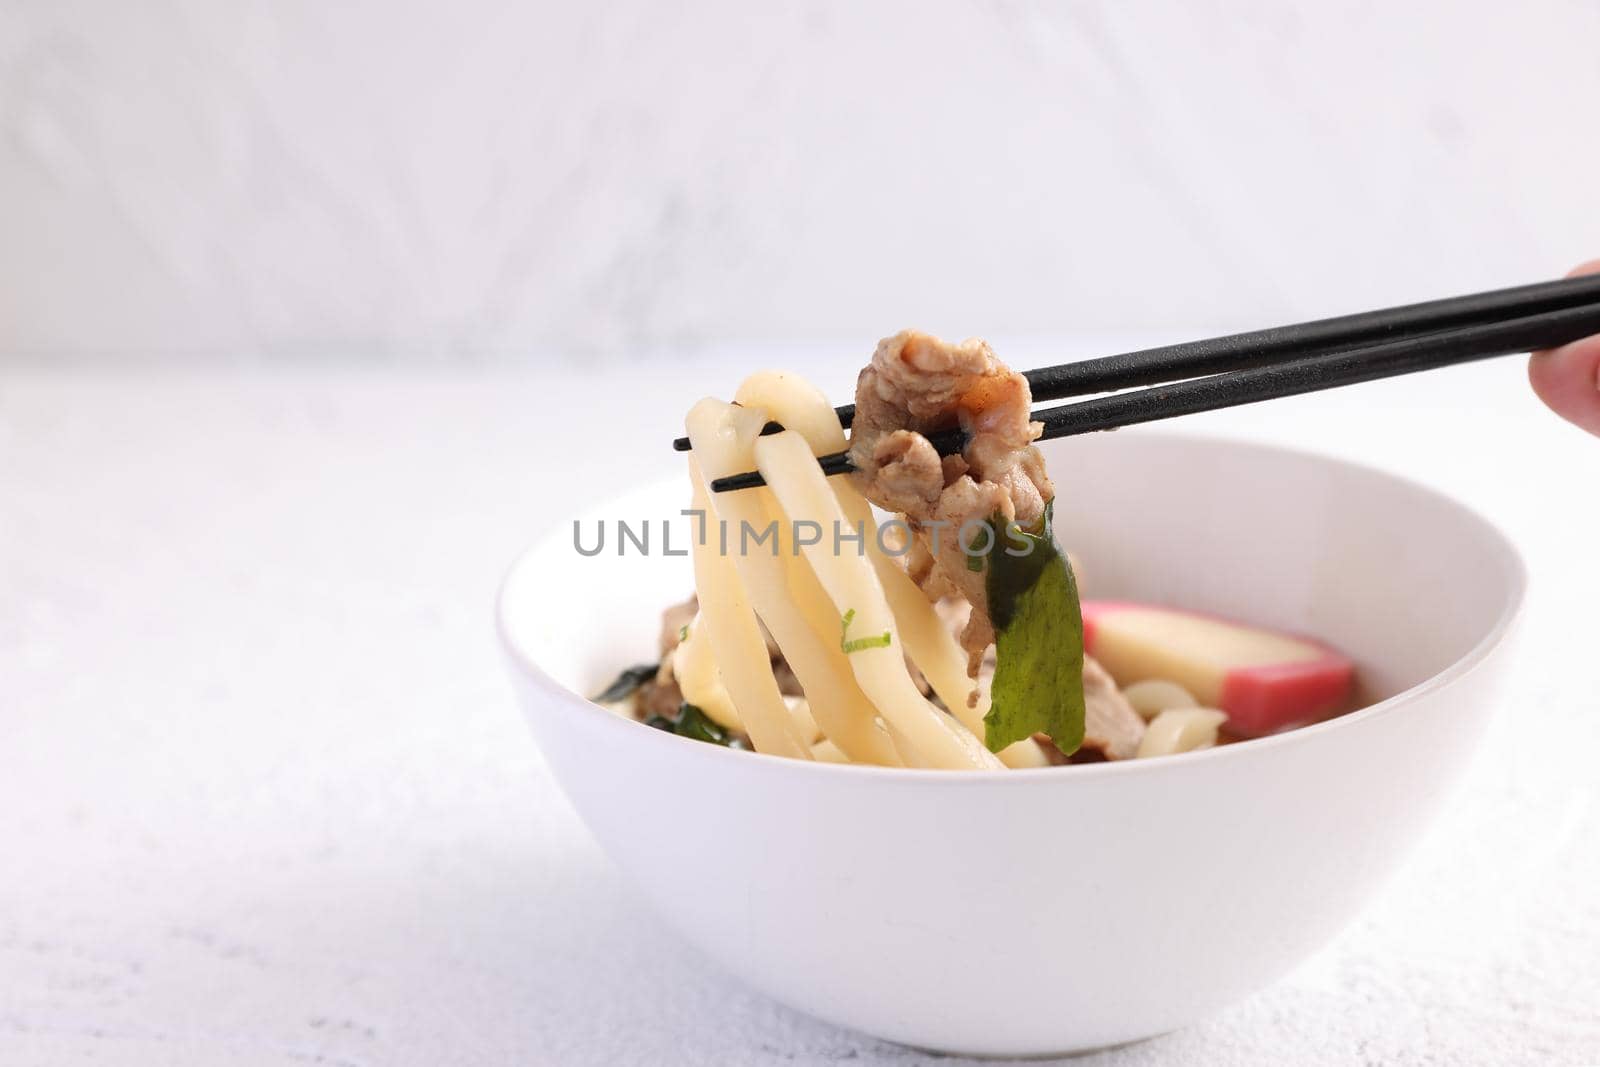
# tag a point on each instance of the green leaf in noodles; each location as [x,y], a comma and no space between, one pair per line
[626,683]
[1033,603]
[696,724]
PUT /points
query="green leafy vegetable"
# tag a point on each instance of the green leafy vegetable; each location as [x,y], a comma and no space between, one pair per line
[627,682]
[695,725]
[856,644]
[1033,603]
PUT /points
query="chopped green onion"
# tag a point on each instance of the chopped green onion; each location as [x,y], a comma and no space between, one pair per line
[683,632]
[883,640]
[856,644]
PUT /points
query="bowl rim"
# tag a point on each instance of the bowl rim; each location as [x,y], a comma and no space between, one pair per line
[1515,570]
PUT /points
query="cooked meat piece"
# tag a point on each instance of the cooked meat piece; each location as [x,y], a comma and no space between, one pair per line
[905,471]
[1111,726]
[1057,759]
[657,697]
[917,384]
[954,613]
[788,684]
[920,565]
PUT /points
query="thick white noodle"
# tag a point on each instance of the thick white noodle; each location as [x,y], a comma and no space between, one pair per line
[741,651]
[800,709]
[828,752]
[722,436]
[936,740]
[694,667]
[1181,730]
[798,405]
[1154,695]
[803,408]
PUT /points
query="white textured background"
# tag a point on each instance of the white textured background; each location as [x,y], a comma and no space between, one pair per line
[265,799]
[244,181]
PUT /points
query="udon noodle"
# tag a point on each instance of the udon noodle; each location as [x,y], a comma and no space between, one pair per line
[816,633]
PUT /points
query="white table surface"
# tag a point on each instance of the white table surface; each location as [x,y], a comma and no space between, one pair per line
[265,797]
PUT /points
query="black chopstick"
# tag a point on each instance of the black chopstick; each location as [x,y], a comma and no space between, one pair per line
[1259,348]
[1290,376]
[1293,377]
[1243,351]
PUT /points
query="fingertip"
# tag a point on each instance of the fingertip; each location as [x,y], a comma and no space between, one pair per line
[1567,379]
[1591,267]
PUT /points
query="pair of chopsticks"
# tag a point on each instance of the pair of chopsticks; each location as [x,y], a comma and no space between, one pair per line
[1247,368]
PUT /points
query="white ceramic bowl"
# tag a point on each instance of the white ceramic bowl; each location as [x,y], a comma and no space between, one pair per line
[1032,912]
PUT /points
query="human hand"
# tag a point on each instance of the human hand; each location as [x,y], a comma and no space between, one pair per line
[1568,378]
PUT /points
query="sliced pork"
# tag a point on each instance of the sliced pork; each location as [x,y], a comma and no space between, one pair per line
[915,385]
